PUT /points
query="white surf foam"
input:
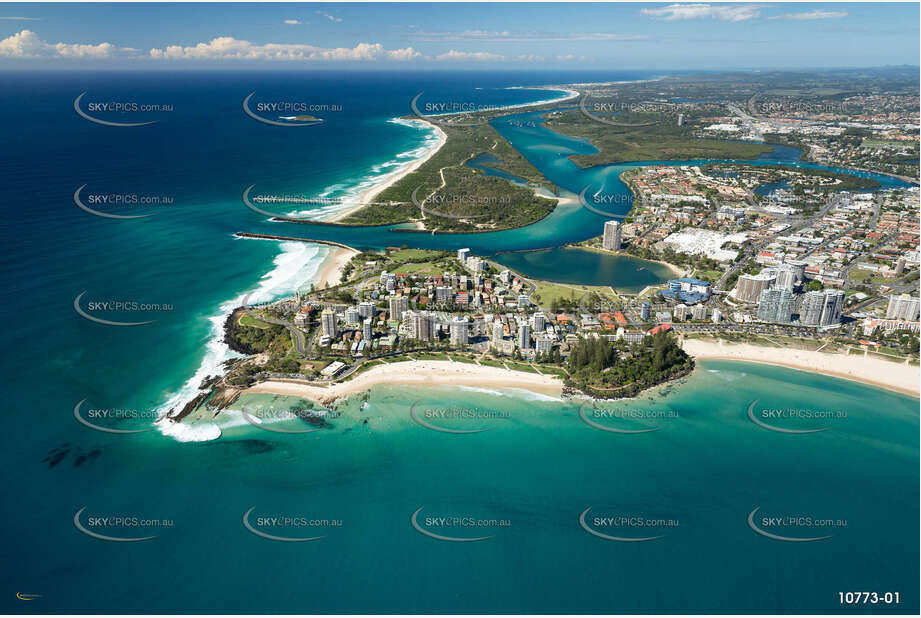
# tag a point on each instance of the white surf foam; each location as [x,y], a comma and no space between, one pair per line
[296,265]
[347,194]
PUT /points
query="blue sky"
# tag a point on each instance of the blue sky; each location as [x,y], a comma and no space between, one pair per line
[462,36]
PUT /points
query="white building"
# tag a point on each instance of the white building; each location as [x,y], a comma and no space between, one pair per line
[328,323]
[459,331]
[611,240]
[398,306]
[904,307]
[366,309]
[524,336]
[352,316]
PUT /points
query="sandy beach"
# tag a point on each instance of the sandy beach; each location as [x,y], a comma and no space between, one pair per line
[330,272]
[367,196]
[896,376]
[418,373]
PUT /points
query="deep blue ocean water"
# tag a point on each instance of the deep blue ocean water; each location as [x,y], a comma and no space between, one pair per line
[707,469]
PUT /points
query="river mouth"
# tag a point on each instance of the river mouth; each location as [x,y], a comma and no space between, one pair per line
[570,222]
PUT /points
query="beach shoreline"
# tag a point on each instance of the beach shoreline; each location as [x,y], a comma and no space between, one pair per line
[676,270]
[417,373]
[330,271]
[890,375]
[367,196]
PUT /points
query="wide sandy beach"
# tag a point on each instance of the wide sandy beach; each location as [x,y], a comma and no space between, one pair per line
[367,196]
[418,373]
[897,376]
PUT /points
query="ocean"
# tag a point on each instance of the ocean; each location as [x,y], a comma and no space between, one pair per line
[370,467]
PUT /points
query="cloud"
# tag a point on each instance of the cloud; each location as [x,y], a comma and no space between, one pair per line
[506,36]
[462,55]
[407,53]
[723,12]
[27,44]
[329,17]
[530,58]
[20,18]
[229,48]
[817,14]
[293,22]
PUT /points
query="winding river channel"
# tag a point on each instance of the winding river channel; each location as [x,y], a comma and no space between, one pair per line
[571,221]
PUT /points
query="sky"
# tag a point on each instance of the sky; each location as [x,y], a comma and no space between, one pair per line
[627,36]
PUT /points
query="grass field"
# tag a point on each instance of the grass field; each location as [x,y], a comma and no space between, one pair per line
[248,320]
[545,292]
[858,274]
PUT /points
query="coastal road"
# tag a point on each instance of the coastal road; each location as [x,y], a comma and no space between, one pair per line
[297,335]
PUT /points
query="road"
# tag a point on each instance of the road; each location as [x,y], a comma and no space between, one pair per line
[297,335]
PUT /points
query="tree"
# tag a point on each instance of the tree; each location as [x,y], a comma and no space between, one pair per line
[814,286]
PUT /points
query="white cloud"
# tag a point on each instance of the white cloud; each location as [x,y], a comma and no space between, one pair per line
[530,58]
[27,44]
[225,47]
[20,18]
[293,22]
[329,17]
[813,15]
[462,55]
[407,53]
[487,35]
[723,12]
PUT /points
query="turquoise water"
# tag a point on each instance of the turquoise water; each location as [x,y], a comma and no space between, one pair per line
[538,468]
[706,467]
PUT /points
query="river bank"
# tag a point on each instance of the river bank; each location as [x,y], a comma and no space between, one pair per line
[895,376]
[677,271]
